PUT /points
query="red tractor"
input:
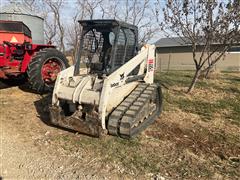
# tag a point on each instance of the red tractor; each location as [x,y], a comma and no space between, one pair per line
[39,63]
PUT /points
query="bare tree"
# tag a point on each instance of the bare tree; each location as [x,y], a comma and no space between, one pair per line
[30,4]
[55,8]
[74,30]
[137,12]
[91,6]
[211,27]
[111,8]
[50,26]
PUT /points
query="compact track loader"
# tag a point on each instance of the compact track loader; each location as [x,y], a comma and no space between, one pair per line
[110,88]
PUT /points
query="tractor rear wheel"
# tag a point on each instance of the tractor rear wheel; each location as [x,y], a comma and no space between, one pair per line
[44,68]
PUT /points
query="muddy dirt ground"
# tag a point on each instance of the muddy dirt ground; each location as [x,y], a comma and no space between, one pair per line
[178,146]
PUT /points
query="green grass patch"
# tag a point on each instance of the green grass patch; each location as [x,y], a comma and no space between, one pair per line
[206,110]
[203,109]
[233,105]
[179,78]
[227,82]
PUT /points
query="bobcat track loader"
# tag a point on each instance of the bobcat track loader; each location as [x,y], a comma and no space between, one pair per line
[110,88]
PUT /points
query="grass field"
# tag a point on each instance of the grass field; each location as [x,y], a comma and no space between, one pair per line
[197,135]
[215,96]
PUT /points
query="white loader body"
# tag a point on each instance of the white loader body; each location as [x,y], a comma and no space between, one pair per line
[104,93]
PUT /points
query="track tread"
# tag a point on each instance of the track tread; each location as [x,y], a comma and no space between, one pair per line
[134,117]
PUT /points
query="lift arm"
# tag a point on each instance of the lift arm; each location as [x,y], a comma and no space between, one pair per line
[119,77]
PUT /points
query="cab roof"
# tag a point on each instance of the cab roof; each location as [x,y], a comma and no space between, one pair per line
[107,22]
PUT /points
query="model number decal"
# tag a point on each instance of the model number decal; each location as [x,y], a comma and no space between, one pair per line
[150,65]
[115,84]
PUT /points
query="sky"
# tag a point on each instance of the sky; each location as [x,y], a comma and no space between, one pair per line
[70,9]
[70,6]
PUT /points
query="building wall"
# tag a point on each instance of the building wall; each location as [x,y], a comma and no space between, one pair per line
[180,58]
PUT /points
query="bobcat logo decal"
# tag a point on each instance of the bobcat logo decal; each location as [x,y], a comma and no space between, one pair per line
[122,76]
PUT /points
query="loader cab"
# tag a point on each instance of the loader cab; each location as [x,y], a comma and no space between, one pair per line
[105,45]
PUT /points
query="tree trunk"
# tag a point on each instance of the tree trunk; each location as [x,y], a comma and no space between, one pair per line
[194,80]
[207,73]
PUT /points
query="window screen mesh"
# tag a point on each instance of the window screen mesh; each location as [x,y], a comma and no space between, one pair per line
[92,46]
[125,47]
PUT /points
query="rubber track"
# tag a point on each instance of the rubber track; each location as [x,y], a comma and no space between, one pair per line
[136,112]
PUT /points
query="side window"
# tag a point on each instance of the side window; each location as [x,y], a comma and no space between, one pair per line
[130,48]
[92,48]
[125,47]
[120,49]
[121,38]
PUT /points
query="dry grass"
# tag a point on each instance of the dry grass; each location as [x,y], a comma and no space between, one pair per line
[196,137]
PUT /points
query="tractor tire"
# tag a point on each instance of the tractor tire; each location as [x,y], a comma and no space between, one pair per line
[43,69]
